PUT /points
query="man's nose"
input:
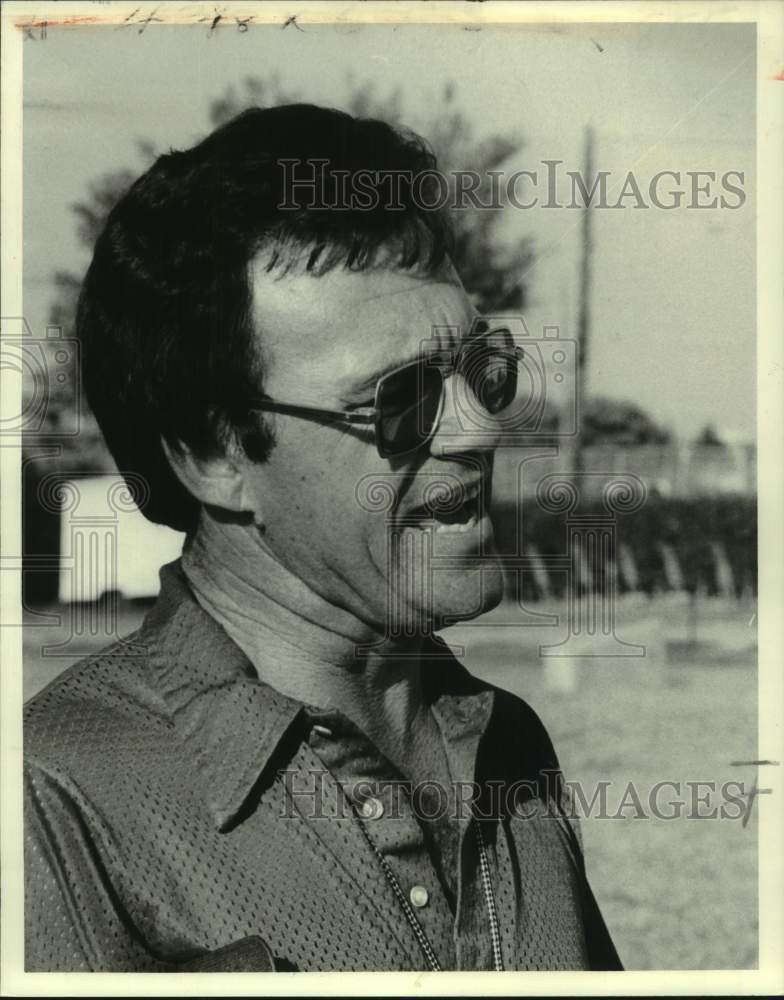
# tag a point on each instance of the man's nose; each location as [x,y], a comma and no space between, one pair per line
[464,424]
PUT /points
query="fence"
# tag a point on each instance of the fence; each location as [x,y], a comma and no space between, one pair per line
[695,528]
[678,469]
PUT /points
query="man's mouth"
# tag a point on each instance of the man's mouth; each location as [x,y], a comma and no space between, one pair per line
[463,519]
[453,510]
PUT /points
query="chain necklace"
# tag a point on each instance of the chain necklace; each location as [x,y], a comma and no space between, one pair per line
[484,868]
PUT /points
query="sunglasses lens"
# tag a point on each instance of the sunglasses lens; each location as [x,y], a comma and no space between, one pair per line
[408,402]
[490,368]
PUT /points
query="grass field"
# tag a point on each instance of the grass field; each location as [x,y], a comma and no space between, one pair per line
[676,894]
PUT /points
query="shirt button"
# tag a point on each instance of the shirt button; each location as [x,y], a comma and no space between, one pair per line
[372,809]
[419,896]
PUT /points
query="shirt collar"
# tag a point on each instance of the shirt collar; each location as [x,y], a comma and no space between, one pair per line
[230,720]
[233,723]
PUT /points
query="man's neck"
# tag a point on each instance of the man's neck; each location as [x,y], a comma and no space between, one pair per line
[299,642]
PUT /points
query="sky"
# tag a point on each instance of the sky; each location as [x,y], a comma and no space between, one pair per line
[673,299]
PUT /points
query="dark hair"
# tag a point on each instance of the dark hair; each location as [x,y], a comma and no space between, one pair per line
[164,314]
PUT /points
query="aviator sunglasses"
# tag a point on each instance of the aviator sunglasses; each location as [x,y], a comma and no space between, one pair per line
[409,400]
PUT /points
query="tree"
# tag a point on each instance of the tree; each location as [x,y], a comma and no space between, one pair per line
[709,437]
[492,268]
[87,451]
[619,422]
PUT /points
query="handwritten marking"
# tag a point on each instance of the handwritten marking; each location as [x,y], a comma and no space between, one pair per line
[751,797]
[28,30]
[598,46]
[292,19]
[215,20]
[143,21]
[44,25]
[755,791]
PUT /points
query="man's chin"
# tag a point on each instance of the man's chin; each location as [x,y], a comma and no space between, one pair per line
[465,596]
[485,593]
[450,596]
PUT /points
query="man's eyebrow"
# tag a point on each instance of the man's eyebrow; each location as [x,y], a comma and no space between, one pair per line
[369,382]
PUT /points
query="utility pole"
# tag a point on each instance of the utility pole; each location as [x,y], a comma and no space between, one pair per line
[584,304]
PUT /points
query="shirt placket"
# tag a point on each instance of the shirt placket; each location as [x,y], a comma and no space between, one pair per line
[463,723]
[364,814]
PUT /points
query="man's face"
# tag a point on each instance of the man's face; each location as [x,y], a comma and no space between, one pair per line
[349,523]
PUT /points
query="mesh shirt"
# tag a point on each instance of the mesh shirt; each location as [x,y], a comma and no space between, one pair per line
[179,809]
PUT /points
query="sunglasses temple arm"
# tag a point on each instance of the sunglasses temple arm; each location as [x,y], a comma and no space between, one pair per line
[351,417]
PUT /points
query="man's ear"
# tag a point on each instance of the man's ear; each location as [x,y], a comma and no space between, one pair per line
[215,480]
